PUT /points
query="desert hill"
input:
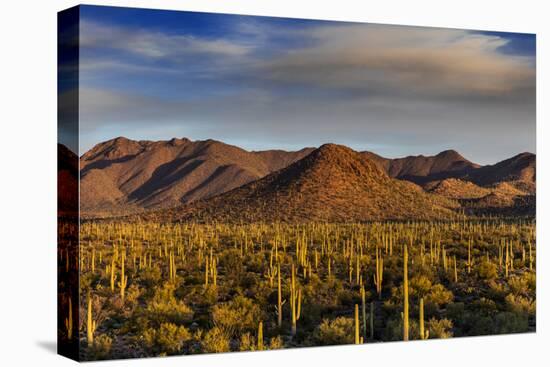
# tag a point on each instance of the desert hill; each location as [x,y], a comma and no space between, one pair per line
[456,189]
[125,175]
[419,168]
[519,170]
[506,187]
[333,183]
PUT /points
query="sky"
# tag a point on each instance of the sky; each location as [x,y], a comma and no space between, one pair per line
[276,83]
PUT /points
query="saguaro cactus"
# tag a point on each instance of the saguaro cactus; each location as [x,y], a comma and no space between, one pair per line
[372,320]
[455,271]
[423,334]
[69,321]
[357,334]
[379,274]
[113,275]
[91,324]
[469,263]
[261,336]
[295,300]
[405,293]
[364,312]
[279,297]
[123,278]
[93,261]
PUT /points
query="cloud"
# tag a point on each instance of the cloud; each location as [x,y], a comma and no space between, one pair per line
[396,60]
[154,44]
[396,90]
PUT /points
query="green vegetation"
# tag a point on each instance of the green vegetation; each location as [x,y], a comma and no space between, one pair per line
[183,288]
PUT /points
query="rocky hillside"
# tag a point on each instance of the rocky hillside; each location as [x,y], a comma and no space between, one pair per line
[123,175]
[333,183]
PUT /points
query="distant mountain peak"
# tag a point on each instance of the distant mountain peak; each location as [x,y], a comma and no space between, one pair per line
[332,183]
[450,154]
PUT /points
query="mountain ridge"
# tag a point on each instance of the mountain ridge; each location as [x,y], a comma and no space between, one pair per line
[122,176]
[333,183]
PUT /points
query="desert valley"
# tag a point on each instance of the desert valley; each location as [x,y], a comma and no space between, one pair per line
[200,246]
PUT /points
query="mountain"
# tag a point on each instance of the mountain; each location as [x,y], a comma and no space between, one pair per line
[449,169]
[67,181]
[519,170]
[421,169]
[456,189]
[122,175]
[333,183]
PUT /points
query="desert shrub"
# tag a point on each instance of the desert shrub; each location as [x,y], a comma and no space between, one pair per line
[276,343]
[439,295]
[531,279]
[518,285]
[487,270]
[484,306]
[520,304]
[237,316]
[210,295]
[497,290]
[419,286]
[215,341]
[510,322]
[101,347]
[394,329]
[455,310]
[478,324]
[150,277]
[440,329]
[168,338]
[164,307]
[338,331]
[247,342]
[232,265]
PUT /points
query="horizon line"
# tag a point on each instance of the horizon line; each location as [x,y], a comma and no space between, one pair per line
[427,155]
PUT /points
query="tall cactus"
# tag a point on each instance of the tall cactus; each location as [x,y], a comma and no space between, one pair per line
[379,273]
[123,278]
[91,324]
[423,333]
[372,320]
[405,293]
[113,275]
[206,272]
[93,260]
[364,312]
[279,297]
[469,263]
[295,301]
[455,271]
[357,334]
[69,321]
[261,336]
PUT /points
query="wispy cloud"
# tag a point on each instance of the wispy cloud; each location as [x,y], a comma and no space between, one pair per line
[396,60]
[405,90]
[153,44]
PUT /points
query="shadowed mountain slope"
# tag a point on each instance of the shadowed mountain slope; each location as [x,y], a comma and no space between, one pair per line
[418,168]
[125,175]
[518,169]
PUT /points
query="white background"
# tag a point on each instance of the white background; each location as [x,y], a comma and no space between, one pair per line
[28,181]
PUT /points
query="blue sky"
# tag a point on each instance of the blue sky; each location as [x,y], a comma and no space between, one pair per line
[264,83]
